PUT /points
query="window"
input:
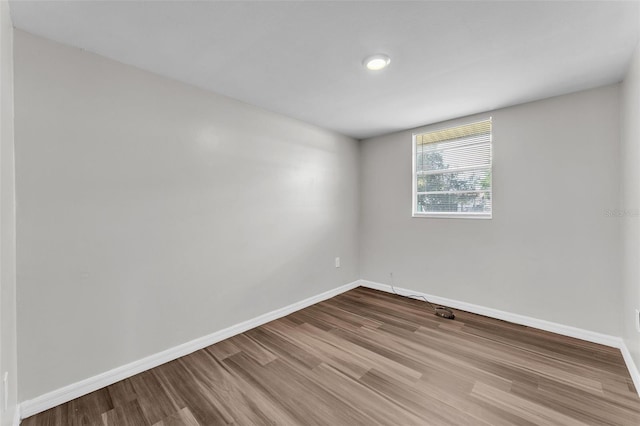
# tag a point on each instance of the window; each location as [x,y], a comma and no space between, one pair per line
[452,172]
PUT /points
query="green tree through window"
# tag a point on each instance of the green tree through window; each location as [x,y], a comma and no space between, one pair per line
[453,172]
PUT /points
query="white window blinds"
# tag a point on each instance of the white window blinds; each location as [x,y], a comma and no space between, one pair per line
[452,171]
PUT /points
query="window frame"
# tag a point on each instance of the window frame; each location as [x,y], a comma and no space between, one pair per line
[414,183]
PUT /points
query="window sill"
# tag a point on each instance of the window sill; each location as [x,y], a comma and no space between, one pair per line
[453,215]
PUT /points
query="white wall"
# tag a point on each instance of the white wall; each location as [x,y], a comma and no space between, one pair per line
[550,251]
[630,205]
[8,351]
[151,213]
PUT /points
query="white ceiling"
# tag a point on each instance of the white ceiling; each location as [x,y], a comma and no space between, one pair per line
[303,59]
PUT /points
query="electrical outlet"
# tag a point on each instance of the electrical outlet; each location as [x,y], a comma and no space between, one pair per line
[337,262]
[638,320]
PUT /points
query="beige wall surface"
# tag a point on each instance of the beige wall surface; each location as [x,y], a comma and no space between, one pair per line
[630,205]
[151,213]
[551,250]
[8,337]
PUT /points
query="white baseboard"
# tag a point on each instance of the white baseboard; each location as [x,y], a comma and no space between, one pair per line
[631,366]
[91,384]
[565,330]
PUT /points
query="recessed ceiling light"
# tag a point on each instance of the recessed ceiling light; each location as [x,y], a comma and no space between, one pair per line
[376,62]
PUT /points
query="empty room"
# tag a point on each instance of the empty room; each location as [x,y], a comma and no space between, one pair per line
[319,213]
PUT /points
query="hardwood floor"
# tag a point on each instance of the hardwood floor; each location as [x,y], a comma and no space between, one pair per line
[367,357]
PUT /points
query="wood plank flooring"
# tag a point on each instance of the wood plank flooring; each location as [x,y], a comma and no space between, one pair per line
[366,358]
